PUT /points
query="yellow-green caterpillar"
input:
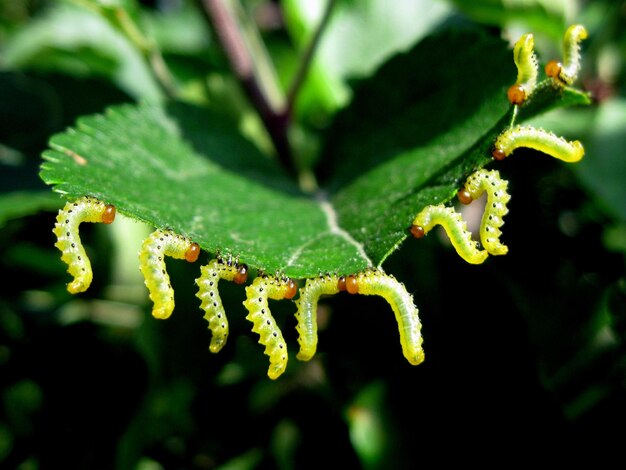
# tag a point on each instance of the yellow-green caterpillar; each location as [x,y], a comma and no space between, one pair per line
[207,283]
[527,69]
[159,244]
[537,139]
[257,294]
[370,282]
[86,209]
[495,208]
[306,314]
[567,71]
[455,228]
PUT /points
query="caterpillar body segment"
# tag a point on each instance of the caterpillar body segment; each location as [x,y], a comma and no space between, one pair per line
[155,247]
[86,209]
[455,228]
[257,295]
[538,139]
[306,314]
[495,208]
[527,70]
[209,295]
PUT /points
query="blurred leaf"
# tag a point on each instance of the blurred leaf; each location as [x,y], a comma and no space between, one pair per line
[285,440]
[368,425]
[89,47]
[603,172]
[6,441]
[178,31]
[35,105]
[125,4]
[358,38]
[602,130]
[28,111]
[615,237]
[20,204]
[22,400]
[547,16]
[249,460]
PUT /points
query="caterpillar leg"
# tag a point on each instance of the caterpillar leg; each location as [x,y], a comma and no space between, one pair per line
[527,69]
[537,139]
[307,312]
[86,209]
[497,198]
[455,227]
[208,293]
[257,295]
[159,244]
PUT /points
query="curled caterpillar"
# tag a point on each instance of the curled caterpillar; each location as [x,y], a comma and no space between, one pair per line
[537,139]
[567,71]
[370,282]
[527,69]
[159,244]
[86,209]
[257,294]
[207,283]
[455,227]
[495,208]
[306,314]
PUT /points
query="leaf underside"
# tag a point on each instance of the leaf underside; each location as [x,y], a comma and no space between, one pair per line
[412,133]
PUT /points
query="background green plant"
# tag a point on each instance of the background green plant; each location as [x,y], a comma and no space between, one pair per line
[531,341]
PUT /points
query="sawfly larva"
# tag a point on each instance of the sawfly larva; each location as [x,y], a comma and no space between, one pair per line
[306,314]
[370,282]
[455,228]
[537,139]
[86,209]
[495,208]
[527,69]
[159,244]
[257,294]
[567,71]
[208,293]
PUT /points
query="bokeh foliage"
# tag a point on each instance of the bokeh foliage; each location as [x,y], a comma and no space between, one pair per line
[530,341]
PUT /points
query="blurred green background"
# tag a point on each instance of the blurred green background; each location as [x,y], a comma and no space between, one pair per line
[525,355]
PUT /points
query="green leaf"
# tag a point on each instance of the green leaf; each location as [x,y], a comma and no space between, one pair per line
[411,136]
[407,141]
[189,170]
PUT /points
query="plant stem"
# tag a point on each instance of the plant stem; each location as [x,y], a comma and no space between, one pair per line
[150,51]
[229,33]
[255,73]
[307,58]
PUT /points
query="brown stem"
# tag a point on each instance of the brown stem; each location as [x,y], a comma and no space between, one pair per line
[229,34]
